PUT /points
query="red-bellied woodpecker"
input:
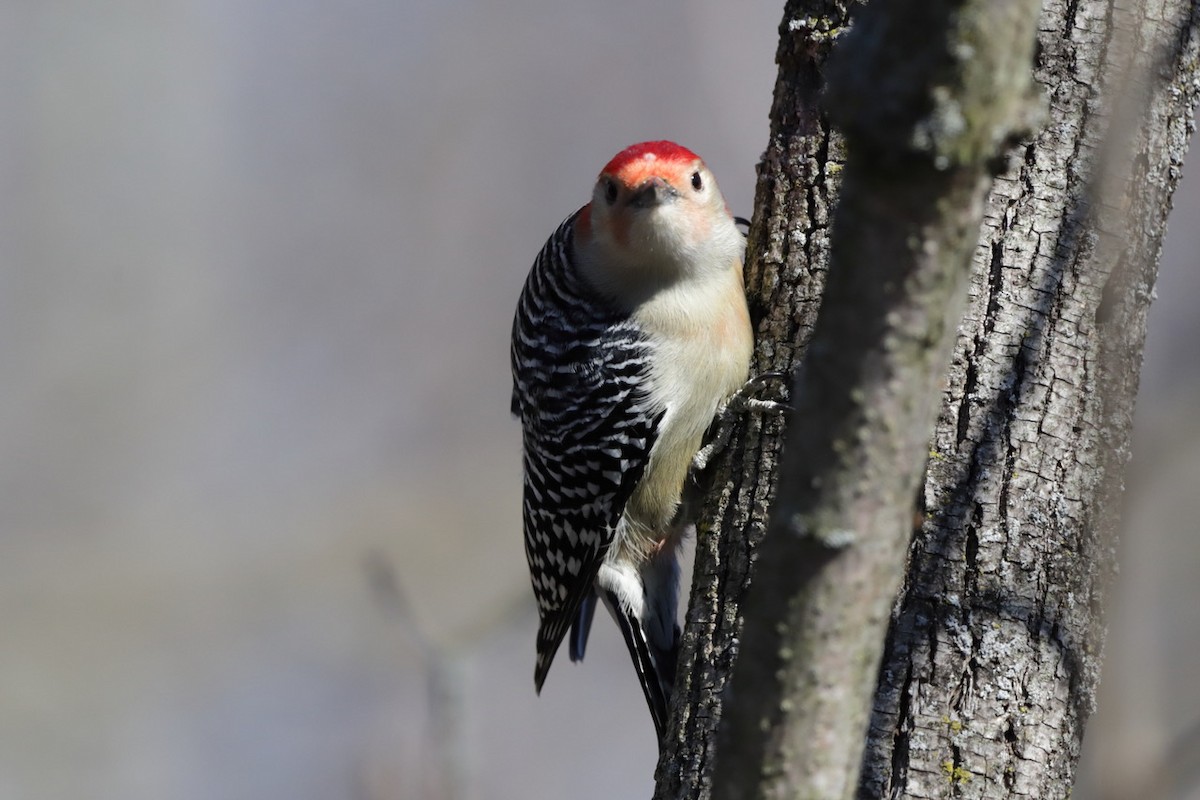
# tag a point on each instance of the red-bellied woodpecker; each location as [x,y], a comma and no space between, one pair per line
[630,334]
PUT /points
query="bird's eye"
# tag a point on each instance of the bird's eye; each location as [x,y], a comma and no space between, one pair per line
[610,192]
[697,184]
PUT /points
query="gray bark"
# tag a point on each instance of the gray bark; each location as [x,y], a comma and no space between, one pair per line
[785,277]
[922,129]
[990,666]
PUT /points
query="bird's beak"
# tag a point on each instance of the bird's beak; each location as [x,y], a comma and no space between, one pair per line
[652,192]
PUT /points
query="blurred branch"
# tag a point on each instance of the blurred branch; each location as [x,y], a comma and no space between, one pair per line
[443,668]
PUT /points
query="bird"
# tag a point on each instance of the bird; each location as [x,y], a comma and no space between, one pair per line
[631,333]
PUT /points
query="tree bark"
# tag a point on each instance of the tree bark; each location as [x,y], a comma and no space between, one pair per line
[923,128]
[993,658]
[990,665]
[787,251]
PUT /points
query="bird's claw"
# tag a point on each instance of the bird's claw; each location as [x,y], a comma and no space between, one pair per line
[741,402]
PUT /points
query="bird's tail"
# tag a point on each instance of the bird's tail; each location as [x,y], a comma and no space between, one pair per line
[582,626]
[655,666]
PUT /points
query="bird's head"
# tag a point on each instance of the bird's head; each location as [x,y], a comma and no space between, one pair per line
[656,211]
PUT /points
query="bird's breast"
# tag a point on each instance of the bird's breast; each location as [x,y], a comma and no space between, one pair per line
[702,342]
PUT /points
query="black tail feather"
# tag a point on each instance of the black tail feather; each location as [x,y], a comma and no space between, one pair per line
[582,626]
[655,668]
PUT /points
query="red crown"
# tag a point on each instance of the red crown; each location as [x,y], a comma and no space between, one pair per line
[661,151]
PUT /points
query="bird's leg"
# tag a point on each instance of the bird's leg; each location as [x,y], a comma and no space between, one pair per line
[741,402]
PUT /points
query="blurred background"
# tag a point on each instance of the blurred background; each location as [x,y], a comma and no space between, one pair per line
[259,493]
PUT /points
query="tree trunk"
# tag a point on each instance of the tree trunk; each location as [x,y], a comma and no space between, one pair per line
[786,260]
[990,666]
[924,128]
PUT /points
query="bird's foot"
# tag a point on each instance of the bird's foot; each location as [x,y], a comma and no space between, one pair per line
[741,402]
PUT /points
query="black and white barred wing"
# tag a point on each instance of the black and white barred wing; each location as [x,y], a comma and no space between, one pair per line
[579,373]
